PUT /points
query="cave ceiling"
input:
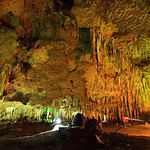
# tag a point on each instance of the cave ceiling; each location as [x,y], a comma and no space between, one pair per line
[130,16]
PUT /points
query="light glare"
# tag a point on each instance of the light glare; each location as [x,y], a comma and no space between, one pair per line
[58,121]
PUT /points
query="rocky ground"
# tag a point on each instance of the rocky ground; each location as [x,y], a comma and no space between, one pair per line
[38,136]
[23,129]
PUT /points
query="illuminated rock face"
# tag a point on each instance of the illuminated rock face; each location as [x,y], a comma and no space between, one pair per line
[44,56]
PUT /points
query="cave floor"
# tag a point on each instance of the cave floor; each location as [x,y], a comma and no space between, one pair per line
[137,137]
[131,130]
[26,128]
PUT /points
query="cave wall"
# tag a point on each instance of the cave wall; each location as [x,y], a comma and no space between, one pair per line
[118,89]
[47,65]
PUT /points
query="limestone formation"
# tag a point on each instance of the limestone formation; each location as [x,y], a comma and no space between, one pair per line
[87,56]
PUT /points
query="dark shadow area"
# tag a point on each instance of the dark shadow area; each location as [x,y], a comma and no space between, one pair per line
[145,116]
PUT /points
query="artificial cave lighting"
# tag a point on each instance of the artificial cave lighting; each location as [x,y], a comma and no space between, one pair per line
[58,121]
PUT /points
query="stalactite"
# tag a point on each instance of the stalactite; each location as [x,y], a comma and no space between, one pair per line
[138,116]
[118,117]
[130,102]
[110,114]
[124,108]
[114,118]
[140,106]
[107,113]
[126,105]
[120,108]
[135,103]
[100,115]
[94,44]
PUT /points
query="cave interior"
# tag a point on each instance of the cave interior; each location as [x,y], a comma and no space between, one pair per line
[59,58]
